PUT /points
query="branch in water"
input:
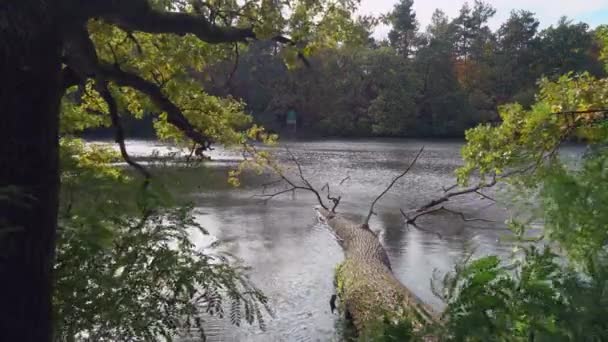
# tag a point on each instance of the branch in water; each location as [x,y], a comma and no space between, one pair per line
[411,220]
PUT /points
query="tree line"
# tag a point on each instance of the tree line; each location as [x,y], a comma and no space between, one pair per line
[432,82]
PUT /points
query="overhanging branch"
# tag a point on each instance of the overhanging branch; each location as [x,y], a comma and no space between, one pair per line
[138,15]
[174,113]
[104,92]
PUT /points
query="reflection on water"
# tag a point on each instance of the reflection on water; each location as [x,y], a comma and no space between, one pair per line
[293,258]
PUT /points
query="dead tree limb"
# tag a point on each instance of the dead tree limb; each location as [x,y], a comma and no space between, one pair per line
[485,196]
[344,180]
[464,218]
[451,194]
[412,222]
[292,186]
[334,200]
[412,219]
[368,288]
[477,188]
[389,187]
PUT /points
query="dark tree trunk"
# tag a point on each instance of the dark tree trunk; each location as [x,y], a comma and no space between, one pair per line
[30,92]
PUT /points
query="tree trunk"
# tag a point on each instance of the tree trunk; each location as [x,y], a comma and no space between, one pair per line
[29,172]
[366,285]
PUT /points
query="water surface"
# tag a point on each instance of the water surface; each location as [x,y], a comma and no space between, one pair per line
[293,257]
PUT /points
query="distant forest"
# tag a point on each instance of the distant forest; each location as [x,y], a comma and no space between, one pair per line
[436,81]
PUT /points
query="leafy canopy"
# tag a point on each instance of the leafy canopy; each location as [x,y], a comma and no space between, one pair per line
[127,267]
[554,287]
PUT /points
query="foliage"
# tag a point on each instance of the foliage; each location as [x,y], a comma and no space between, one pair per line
[554,286]
[574,203]
[387,329]
[403,36]
[526,137]
[127,267]
[438,82]
[564,42]
[534,297]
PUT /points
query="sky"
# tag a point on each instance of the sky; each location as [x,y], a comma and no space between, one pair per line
[593,12]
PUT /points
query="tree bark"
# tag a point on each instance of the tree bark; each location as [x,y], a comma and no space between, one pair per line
[366,285]
[30,94]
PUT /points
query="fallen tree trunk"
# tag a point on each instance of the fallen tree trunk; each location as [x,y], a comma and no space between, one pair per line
[367,288]
[370,294]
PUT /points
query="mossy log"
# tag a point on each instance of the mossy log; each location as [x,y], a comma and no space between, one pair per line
[367,288]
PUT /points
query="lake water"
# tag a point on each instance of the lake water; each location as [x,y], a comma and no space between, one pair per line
[293,257]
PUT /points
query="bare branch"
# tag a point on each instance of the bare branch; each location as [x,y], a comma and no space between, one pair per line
[268,197]
[464,218]
[480,186]
[485,196]
[412,163]
[295,161]
[191,154]
[413,224]
[449,195]
[234,68]
[293,186]
[411,220]
[334,200]
[449,188]
[268,184]
[344,180]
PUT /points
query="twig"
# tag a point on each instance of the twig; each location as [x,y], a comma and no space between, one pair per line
[412,220]
[234,68]
[485,196]
[477,188]
[295,161]
[344,180]
[293,186]
[192,149]
[371,209]
[464,218]
[449,188]
[413,223]
[268,184]
[588,111]
[334,200]
[273,195]
[449,195]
